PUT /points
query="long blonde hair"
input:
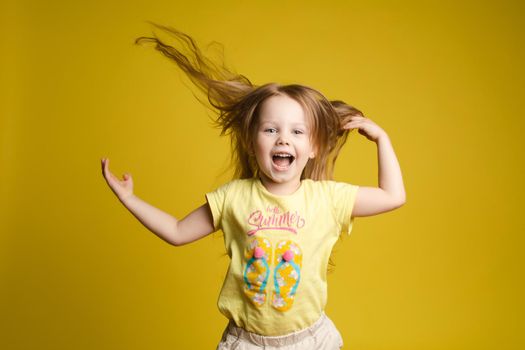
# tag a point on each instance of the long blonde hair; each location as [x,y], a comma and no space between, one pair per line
[237,102]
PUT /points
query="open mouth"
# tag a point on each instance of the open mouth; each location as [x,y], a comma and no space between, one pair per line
[283,160]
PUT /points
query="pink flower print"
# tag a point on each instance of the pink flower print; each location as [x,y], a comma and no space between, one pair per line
[280,281]
[258,298]
[260,278]
[295,249]
[278,301]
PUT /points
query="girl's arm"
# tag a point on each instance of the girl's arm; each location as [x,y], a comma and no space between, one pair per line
[194,226]
[391,192]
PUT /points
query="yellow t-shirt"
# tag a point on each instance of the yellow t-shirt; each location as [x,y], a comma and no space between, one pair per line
[279,247]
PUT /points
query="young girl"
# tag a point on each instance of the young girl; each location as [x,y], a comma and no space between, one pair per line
[282,213]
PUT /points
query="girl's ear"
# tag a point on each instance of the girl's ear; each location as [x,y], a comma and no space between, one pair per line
[314,152]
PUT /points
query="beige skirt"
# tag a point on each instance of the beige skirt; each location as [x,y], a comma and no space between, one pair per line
[322,335]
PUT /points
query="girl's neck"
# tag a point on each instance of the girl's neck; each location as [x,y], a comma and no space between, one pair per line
[280,189]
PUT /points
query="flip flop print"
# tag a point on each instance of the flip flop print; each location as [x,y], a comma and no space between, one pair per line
[257,270]
[287,274]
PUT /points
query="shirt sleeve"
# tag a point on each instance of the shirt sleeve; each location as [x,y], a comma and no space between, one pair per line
[344,196]
[217,200]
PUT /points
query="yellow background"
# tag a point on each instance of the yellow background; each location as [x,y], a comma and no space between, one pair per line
[443,78]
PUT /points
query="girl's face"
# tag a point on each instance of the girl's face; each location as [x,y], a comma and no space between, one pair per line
[282,144]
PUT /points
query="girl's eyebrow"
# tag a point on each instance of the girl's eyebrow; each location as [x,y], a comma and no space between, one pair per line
[301,125]
[266,123]
[275,122]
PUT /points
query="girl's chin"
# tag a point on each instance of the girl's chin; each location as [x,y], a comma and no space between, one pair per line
[280,178]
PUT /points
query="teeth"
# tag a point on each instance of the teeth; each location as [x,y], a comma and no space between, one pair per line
[283,155]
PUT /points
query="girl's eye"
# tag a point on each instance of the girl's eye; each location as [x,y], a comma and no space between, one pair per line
[270,130]
[298,132]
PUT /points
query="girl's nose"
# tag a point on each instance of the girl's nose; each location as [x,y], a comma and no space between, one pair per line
[282,141]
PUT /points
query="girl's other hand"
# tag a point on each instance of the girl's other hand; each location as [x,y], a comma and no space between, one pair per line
[122,188]
[365,127]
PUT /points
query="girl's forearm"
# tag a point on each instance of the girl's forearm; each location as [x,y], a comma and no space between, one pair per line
[390,178]
[160,223]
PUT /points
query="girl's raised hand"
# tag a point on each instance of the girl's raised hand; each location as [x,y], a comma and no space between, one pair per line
[365,127]
[121,188]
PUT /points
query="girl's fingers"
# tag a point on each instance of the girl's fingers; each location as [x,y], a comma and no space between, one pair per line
[113,177]
[105,162]
[105,169]
[358,121]
[351,125]
[113,181]
[107,173]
